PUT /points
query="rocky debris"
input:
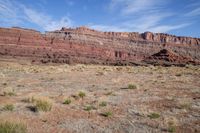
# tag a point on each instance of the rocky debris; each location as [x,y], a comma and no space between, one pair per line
[84,45]
[165,56]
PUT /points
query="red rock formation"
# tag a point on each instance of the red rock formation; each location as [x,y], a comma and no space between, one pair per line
[84,45]
[165,56]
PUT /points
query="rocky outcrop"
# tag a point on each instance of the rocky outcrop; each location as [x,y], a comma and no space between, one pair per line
[84,45]
[167,57]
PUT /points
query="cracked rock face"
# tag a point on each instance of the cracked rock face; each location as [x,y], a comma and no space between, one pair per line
[84,45]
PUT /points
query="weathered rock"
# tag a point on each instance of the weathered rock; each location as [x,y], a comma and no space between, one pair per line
[167,57]
[84,45]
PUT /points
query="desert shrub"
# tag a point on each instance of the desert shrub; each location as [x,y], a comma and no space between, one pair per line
[154,116]
[103,104]
[186,106]
[132,86]
[43,105]
[81,94]
[8,107]
[67,101]
[107,114]
[10,127]
[9,92]
[109,93]
[172,129]
[39,103]
[29,100]
[89,108]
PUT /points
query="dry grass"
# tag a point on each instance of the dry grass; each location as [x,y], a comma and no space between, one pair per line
[43,104]
[11,127]
[8,107]
[8,92]
[173,95]
[39,103]
[107,114]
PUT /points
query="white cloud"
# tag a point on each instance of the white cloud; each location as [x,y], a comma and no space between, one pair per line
[8,13]
[108,28]
[15,13]
[144,15]
[194,12]
[45,21]
[137,6]
[166,28]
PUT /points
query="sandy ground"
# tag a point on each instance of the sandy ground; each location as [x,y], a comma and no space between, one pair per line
[173,93]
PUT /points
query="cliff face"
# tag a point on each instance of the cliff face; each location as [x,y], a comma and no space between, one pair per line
[84,45]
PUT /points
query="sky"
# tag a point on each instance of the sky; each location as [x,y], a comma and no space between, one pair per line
[178,17]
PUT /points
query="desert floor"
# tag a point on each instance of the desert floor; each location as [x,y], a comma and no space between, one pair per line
[117,99]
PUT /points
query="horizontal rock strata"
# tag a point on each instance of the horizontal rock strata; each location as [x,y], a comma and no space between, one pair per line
[84,45]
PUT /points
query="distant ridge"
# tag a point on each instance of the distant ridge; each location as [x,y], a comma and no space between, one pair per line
[85,45]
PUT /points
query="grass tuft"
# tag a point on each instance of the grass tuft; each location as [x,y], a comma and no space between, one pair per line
[154,116]
[43,105]
[109,93]
[11,93]
[103,104]
[89,108]
[172,129]
[8,107]
[67,101]
[10,127]
[81,94]
[107,114]
[132,86]
[29,100]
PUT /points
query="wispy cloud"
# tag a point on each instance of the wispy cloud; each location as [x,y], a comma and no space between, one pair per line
[69,2]
[194,12]
[108,28]
[8,13]
[137,6]
[166,28]
[45,21]
[141,16]
[15,13]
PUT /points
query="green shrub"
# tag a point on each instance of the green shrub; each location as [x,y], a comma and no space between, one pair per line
[172,129]
[103,104]
[107,114]
[132,86]
[154,116]
[89,108]
[67,101]
[8,107]
[81,94]
[8,127]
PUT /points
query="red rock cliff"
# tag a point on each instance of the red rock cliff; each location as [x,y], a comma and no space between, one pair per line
[84,45]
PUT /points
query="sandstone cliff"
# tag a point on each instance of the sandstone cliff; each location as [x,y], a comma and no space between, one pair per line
[84,45]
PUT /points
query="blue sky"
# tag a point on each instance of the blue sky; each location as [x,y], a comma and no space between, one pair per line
[179,17]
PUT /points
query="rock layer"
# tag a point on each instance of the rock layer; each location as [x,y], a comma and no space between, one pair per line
[84,45]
